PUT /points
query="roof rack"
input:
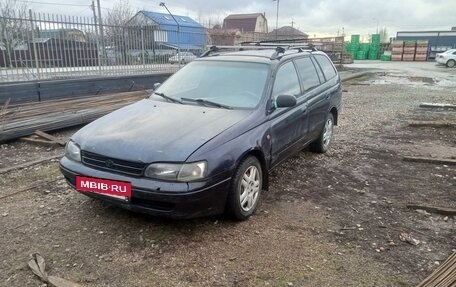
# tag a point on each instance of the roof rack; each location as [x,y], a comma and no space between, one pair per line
[279,48]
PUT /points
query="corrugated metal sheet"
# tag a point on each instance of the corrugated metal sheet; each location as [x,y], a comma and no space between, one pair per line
[166,19]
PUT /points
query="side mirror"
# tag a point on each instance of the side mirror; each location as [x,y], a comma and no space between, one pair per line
[285,101]
[156,85]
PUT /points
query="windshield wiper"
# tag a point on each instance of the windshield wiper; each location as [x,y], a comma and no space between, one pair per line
[207,102]
[168,98]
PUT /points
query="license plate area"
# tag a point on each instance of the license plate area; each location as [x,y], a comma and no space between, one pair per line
[117,189]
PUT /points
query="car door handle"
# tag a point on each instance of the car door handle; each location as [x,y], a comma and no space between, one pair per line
[304,108]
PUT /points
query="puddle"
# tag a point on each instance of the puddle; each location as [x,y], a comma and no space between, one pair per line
[429,82]
[423,79]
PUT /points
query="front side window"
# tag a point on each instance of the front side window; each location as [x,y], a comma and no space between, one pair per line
[308,73]
[286,81]
[326,66]
[233,84]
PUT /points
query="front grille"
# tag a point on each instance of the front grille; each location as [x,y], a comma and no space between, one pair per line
[112,164]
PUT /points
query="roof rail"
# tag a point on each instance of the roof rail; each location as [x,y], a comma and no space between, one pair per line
[279,48]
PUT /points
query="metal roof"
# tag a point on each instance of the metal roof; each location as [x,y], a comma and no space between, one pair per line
[244,16]
[166,19]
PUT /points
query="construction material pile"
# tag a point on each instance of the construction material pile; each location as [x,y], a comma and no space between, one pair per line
[24,119]
[410,50]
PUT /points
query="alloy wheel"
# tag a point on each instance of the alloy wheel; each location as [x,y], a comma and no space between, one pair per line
[249,188]
[328,132]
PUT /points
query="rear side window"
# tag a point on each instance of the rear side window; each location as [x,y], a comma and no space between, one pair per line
[286,81]
[308,73]
[326,66]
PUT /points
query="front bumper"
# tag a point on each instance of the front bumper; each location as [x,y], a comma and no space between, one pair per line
[167,199]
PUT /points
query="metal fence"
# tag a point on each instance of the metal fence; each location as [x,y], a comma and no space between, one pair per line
[38,46]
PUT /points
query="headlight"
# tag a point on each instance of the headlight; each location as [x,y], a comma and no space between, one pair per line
[177,171]
[72,151]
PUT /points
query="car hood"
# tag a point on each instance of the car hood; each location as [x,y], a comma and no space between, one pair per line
[151,131]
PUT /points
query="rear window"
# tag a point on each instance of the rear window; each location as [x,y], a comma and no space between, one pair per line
[308,73]
[326,66]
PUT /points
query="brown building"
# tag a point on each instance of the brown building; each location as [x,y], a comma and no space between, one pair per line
[255,22]
[287,32]
[224,37]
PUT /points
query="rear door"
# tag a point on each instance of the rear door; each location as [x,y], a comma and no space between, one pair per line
[312,89]
[286,123]
[320,102]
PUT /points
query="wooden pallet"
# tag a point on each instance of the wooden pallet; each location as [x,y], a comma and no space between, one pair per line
[444,276]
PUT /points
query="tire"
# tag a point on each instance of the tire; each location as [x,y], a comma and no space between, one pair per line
[245,190]
[322,144]
[451,63]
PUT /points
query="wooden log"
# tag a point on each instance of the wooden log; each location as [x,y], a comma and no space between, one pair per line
[433,124]
[38,141]
[433,209]
[50,137]
[446,161]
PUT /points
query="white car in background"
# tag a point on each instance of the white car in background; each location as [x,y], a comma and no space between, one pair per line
[183,57]
[447,58]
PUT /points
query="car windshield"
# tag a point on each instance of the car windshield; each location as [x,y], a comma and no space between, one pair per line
[232,84]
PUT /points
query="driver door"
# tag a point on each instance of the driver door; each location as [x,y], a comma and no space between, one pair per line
[287,123]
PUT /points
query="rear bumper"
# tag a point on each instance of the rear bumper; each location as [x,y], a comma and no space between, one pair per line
[173,200]
[441,61]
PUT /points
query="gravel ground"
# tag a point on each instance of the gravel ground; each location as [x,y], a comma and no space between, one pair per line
[328,220]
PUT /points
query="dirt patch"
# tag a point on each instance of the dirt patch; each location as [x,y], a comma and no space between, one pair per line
[328,220]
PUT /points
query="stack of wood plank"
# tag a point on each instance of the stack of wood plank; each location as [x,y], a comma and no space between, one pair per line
[24,119]
[409,50]
[397,50]
[421,53]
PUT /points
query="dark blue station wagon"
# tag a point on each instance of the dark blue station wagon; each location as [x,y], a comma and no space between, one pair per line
[203,142]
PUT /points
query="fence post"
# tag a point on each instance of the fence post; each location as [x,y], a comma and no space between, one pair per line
[101,29]
[97,35]
[142,48]
[35,54]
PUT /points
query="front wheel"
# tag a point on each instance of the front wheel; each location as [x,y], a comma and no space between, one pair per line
[245,189]
[321,145]
[451,63]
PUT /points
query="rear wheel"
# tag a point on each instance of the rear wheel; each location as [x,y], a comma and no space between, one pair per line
[321,145]
[451,63]
[245,190]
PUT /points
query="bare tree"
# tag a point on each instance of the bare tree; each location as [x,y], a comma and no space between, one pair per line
[13,27]
[116,30]
[384,37]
